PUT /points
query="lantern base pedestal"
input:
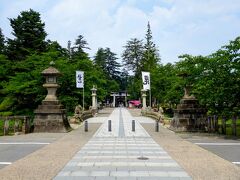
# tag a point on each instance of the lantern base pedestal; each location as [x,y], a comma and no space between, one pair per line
[189,116]
[51,117]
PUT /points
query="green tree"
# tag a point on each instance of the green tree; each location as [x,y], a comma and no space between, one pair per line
[21,82]
[112,66]
[2,42]
[107,61]
[142,57]
[150,56]
[29,33]
[169,85]
[69,95]
[100,59]
[5,74]
[124,79]
[215,78]
[78,50]
[55,47]
[132,55]
[24,91]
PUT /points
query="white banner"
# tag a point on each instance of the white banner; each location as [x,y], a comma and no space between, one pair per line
[146,80]
[79,79]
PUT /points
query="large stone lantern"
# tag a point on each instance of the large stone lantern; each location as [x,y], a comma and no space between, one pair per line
[189,115]
[50,116]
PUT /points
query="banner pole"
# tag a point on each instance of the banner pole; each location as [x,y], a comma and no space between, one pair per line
[83,97]
[150,98]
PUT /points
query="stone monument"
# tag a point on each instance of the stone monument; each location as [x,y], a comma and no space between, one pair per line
[77,118]
[50,116]
[188,116]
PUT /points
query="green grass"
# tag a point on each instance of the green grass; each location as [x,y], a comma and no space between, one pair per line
[229,126]
[11,127]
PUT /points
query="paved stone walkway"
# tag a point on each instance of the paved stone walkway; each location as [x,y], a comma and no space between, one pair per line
[122,154]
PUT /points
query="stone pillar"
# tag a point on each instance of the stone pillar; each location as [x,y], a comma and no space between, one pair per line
[94,98]
[50,116]
[96,103]
[114,100]
[144,95]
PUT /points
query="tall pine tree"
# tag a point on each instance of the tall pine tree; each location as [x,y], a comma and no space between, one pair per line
[112,66]
[107,61]
[2,42]
[100,59]
[78,51]
[29,33]
[132,55]
[150,56]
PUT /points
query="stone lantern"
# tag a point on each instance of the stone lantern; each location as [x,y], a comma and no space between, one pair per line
[94,98]
[51,85]
[50,116]
[144,95]
[189,115]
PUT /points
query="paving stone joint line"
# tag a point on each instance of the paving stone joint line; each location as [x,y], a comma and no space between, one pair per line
[116,154]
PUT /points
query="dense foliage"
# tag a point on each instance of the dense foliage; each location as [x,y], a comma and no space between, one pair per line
[29,33]
[141,56]
[2,41]
[24,57]
[215,79]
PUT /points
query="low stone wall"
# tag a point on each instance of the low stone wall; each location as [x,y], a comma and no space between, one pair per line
[78,118]
[21,124]
[87,114]
[155,115]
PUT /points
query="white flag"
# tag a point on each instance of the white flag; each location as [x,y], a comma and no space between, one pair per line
[79,79]
[146,80]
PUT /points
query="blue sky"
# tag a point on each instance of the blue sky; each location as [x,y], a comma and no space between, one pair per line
[179,26]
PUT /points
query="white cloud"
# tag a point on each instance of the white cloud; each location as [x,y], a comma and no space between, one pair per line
[178,26]
[68,19]
[101,26]
[194,27]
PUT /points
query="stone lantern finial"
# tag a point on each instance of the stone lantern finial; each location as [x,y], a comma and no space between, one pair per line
[52,63]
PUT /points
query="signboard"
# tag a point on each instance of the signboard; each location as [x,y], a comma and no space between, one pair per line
[79,79]
[146,80]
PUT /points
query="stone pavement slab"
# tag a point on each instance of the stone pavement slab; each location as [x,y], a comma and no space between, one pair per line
[198,162]
[122,154]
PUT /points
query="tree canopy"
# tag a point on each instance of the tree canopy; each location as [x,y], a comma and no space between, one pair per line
[106,61]
[214,78]
[29,35]
[28,54]
[2,42]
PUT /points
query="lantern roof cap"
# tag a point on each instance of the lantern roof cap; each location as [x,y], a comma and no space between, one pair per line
[50,71]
